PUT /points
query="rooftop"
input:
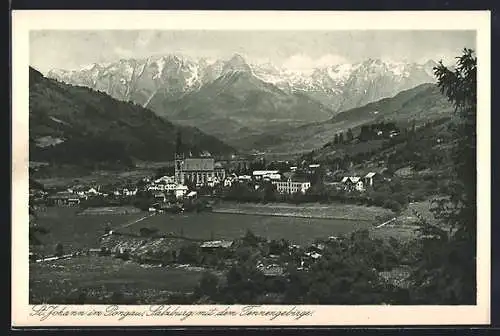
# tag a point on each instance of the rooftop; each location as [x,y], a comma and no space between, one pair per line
[264,172]
[217,244]
[353,179]
[198,164]
[272,270]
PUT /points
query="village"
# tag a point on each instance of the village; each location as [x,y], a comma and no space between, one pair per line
[352,185]
[202,176]
[195,179]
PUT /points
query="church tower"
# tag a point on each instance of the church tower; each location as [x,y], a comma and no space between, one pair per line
[178,160]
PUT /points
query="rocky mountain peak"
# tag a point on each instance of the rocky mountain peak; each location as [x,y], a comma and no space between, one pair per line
[236,64]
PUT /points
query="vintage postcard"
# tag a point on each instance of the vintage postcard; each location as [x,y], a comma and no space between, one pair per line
[250,168]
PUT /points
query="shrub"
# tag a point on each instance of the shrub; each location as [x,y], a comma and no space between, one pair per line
[392,205]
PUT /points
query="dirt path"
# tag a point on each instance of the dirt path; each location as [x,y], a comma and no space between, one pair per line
[133,222]
[385,223]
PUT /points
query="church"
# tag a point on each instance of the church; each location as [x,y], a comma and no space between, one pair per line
[199,170]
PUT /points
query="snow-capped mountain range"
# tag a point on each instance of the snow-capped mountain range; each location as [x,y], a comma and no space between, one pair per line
[338,87]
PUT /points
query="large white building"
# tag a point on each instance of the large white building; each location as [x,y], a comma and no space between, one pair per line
[291,187]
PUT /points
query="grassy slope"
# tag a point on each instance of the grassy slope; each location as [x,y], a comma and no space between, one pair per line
[101,276]
[100,128]
[238,105]
[422,103]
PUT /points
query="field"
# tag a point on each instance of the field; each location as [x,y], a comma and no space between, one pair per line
[406,222]
[231,226]
[312,210]
[80,231]
[75,231]
[68,176]
[102,276]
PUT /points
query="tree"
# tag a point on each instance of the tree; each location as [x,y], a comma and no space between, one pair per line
[208,285]
[59,250]
[350,135]
[251,239]
[364,134]
[35,230]
[341,138]
[269,192]
[189,254]
[447,272]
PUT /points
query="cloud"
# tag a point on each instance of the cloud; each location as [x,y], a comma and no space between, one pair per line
[123,53]
[305,63]
[146,38]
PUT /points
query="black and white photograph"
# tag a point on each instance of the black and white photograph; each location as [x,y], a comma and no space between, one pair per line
[253,167]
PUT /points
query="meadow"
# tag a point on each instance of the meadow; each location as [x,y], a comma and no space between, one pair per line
[100,277]
[83,231]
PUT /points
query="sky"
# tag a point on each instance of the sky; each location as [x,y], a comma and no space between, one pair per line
[297,50]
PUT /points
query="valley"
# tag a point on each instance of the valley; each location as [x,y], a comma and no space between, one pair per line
[246,100]
[242,182]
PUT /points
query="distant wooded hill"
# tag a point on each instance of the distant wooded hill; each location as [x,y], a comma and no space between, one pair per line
[77,125]
[421,104]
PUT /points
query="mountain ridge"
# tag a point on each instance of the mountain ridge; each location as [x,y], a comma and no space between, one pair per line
[66,119]
[421,104]
[238,104]
[337,86]
[234,100]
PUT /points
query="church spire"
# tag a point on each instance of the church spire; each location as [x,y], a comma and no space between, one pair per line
[178,144]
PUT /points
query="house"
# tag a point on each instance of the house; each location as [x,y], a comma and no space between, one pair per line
[220,172]
[259,174]
[73,201]
[129,192]
[61,198]
[220,248]
[159,197]
[272,177]
[312,255]
[192,194]
[272,270]
[181,191]
[217,244]
[372,178]
[393,133]
[162,185]
[243,178]
[212,182]
[351,183]
[93,191]
[165,179]
[291,187]
[228,181]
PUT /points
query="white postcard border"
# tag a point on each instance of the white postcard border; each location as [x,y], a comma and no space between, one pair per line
[24,21]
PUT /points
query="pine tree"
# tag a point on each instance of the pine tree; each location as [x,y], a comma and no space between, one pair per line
[447,272]
[350,135]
